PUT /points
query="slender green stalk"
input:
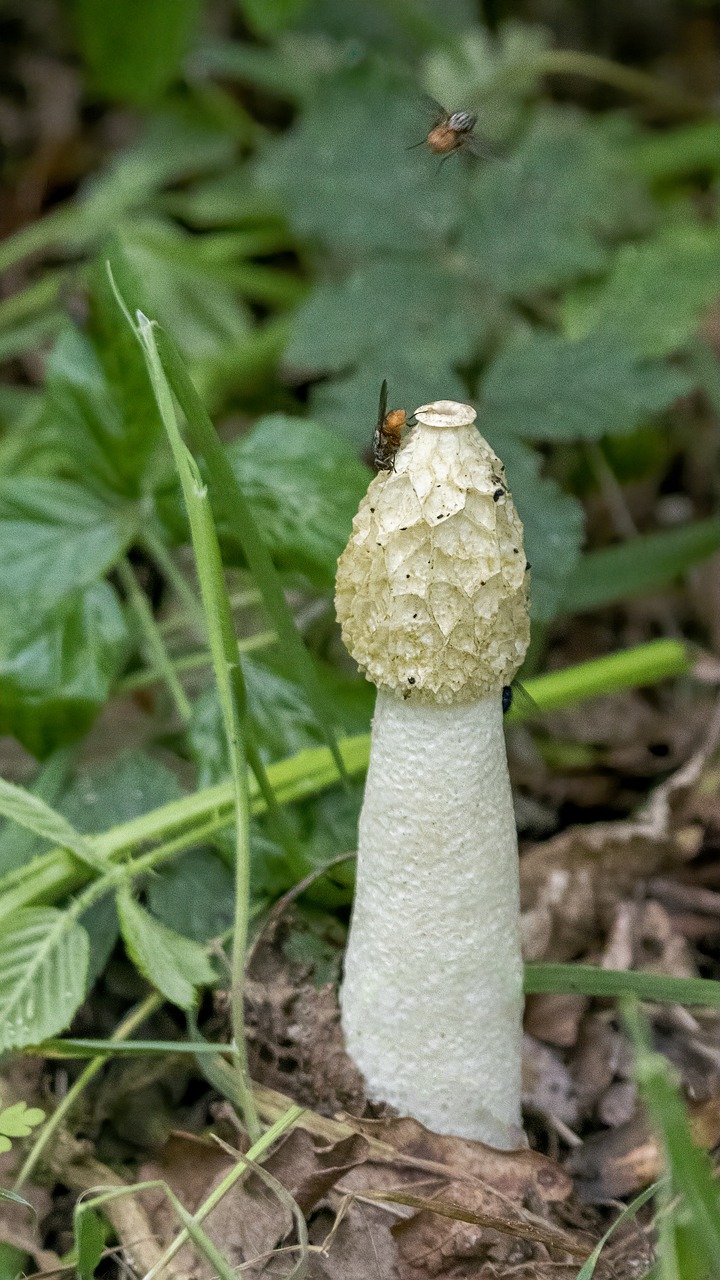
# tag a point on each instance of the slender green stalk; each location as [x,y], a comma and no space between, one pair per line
[231,691]
[134,1019]
[255,1154]
[157,550]
[193,662]
[637,84]
[155,643]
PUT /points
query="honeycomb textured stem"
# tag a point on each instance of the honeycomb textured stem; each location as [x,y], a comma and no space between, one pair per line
[432,996]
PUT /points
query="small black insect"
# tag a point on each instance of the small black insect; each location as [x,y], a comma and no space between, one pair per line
[498,494]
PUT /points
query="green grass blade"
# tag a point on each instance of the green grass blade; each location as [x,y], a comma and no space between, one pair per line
[586,980]
[645,563]
[587,1270]
[230,497]
[696,1219]
[223,646]
[629,669]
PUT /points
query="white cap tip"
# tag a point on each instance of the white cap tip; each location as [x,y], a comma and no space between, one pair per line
[446,413]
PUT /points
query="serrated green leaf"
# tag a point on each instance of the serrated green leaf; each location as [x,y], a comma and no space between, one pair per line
[31,812]
[57,670]
[55,538]
[552,520]
[132,48]
[304,486]
[90,1233]
[133,783]
[546,387]
[362,190]
[175,965]
[655,294]
[193,895]
[100,411]
[19,845]
[542,217]
[642,564]
[19,1120]
[43,962]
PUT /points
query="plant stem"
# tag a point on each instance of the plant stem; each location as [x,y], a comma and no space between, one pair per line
[256,1152]
[134,1019]
[157,550]
[192,662]
[638,84]
[165,670]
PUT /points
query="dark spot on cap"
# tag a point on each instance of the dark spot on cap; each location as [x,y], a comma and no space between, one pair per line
[515,551]
[411,679]
[498,494]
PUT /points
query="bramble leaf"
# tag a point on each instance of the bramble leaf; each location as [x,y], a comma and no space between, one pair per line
[304,486]
[43,963]
[57,669]
[173,964]
[655,294]
[55,538]
[546,387]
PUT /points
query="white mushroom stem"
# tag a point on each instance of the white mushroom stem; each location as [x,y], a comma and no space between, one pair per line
[432,997]
[432,598]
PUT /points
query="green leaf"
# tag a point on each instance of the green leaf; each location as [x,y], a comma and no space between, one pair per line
[132,48]
[100,409]
[654,297]
[587,1270]
[361,189]
[553,524]
[132,784]
[18,845]
[405,318]
[493,72]
[57,670]
[19,1120]
[645,563]
[269,17]
[43,962]
[194,895]
[90,1234]
[543,217]
[546,387]
[31,812]
[55,538]
[304,486]
[188,283]
[675,153]
[175,965]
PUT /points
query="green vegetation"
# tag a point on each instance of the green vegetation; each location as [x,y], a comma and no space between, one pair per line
[262,252]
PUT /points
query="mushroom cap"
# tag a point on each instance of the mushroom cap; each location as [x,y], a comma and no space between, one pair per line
[431,590]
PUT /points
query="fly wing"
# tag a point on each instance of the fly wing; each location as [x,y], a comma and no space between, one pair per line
[433,108]
[479,147]
[382,406]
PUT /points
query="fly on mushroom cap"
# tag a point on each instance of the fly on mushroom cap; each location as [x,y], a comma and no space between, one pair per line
[432,586]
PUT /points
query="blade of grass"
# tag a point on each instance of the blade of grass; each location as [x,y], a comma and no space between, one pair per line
[696,1220]
[629,669]
[587,1270]
[586,980]
[223,646]
[155,643]
[231,498]
[134,1019]
[643,563]
[256,1153]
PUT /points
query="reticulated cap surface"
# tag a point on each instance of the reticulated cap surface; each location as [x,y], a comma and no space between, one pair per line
[431,589]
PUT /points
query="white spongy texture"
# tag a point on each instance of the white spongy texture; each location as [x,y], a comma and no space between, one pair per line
[431,589]
[432,995]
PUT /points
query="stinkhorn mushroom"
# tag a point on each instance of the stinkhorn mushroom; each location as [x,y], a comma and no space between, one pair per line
[432,599]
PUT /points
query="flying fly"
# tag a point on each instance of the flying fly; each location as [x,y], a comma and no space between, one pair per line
[452,131]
